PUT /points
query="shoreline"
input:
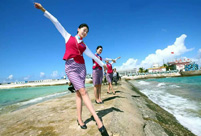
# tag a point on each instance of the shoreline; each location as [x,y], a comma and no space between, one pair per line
[64,82]
[129,112]
[162,117]
[148,76]
[36,84]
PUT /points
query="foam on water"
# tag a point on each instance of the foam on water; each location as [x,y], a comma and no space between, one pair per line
[143,83]
[23,104]
[185,110]
[179,107]
[193,123]
[36,100]
[174,86]
[161,84]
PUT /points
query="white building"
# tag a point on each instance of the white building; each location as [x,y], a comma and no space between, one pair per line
[157,69]
[127,72]
[180,64]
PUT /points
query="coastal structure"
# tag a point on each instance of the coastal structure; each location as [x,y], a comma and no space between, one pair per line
[127,72]
[191,67]
[179,64]
[157,68]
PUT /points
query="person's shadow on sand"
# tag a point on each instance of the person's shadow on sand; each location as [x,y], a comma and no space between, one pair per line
[101,114]
[111,98]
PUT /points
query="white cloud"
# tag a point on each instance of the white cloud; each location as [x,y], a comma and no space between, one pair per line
[10,77]
[42,74]
[199,54]
[27,78]
[178,48]
[129,64]
[198,59]
[54,74]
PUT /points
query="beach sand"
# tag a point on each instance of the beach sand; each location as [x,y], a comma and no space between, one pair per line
[128,113]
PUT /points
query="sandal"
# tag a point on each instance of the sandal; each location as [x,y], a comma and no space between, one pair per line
[83,126]
[97,102]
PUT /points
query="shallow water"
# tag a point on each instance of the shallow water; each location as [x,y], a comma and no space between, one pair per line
[17,98]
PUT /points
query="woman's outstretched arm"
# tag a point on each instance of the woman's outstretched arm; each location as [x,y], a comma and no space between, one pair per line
[115,60]
[92,56]
[59,27]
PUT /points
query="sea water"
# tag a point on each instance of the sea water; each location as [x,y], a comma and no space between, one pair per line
[180,96]
[17,98]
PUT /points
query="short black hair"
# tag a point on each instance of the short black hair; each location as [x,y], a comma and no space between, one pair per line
[84,25]
[99,47]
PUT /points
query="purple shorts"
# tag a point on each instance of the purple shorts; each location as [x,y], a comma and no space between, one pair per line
[109,77]
[97,76]
[76,74]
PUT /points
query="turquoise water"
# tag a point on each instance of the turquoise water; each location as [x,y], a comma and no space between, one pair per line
[180,96]
[16,98]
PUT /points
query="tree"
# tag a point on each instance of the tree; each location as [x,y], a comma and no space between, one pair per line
[146,70]
[141,70]
[166,66]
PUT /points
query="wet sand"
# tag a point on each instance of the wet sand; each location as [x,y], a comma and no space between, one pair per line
[128,113]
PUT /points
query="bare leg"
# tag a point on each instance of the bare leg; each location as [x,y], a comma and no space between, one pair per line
[90,107]
[99,93]
[79,107]
[112,88]
[96,93]
[108,90]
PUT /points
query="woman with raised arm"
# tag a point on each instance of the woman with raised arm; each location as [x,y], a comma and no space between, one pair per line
[109,75]
[97,75]
[75,66]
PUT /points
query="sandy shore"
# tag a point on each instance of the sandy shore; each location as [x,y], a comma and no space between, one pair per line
[128,113]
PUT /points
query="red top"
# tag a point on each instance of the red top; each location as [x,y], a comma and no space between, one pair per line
[109,68]
[96,65]
[74,50]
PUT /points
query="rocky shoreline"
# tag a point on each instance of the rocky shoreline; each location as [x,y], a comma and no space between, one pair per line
[128,113]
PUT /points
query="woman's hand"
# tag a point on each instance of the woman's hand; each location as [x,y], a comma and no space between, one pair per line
[105,67]
[118,57]
[114,61]
[39,6]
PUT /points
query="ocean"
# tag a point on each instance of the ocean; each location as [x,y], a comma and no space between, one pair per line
[18,98]
[180,96]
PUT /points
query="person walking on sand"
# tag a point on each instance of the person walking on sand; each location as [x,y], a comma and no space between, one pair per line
[97,75]
[110,75]
[75,66]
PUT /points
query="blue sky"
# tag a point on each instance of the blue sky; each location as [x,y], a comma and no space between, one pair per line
[140,31]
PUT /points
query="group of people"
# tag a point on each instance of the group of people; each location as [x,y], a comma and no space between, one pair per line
[97,75]
[76,71]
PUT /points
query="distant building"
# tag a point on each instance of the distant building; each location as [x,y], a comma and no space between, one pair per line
[191,67]
[89,76]
[157,69]
[179,64]
[127,72]
[20,82]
